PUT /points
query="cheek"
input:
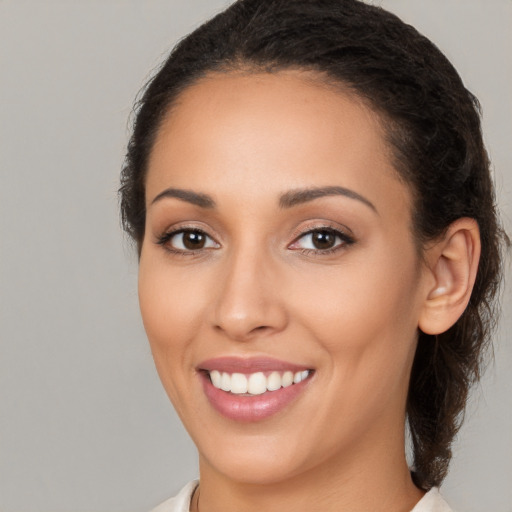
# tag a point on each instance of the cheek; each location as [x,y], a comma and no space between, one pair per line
[365,311]
[170,305]
[169,300]
[364,322]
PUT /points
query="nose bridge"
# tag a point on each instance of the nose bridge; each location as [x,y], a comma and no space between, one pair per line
[248,300]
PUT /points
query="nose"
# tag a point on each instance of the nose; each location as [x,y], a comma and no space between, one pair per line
[249,302]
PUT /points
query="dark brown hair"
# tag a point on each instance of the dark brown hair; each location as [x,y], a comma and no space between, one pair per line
[433,127]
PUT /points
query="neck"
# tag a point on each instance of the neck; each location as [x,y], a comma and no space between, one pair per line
[376,479]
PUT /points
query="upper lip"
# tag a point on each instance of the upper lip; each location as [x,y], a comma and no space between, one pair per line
[233,364]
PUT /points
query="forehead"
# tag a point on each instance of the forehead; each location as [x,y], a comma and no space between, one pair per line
[262,134]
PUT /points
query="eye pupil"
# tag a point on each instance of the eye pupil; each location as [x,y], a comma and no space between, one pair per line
[194,240]
[323,239]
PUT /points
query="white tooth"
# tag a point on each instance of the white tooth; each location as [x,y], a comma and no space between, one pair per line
[274,381]
[287,379]
[297,378]
[305,374]
[216,378]
[238,383]
[257,384]
[225,383]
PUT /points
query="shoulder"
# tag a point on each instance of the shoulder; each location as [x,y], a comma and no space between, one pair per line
[180,502]
[432,502]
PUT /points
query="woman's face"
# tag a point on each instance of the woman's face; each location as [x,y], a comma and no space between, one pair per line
[278,246]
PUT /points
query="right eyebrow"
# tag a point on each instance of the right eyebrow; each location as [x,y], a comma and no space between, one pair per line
[195,198]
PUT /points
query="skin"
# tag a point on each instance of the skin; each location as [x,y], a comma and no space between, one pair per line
[352,315]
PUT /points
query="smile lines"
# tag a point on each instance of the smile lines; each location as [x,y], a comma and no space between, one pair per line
[255,383]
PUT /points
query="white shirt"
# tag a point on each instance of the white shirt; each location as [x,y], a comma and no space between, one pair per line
[431,502]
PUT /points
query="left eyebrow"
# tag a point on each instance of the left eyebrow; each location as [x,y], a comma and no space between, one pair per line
[300,196]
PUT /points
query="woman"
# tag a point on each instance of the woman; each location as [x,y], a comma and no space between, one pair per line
[310,196]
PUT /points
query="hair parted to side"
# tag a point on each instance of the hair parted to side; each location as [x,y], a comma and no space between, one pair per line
[433,127]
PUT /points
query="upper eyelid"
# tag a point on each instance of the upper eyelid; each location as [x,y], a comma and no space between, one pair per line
[323,228]
[165,237]
[340,234]
[175,229]
[323,225]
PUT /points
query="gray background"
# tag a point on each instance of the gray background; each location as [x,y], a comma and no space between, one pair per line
[84,423]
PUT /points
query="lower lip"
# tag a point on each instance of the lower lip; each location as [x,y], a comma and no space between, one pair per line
[251,408]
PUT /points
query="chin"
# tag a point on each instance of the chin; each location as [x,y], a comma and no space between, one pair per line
[263,471]
[254,461]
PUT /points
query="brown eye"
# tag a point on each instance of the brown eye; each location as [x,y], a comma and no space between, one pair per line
[193,240]
[187,240]
[323,239]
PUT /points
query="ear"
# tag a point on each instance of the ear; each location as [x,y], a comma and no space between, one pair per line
[452,267]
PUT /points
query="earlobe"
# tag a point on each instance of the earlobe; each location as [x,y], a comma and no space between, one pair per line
[452,267]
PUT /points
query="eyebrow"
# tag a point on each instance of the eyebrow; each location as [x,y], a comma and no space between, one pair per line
[300,196]
[196,198]
[287,200]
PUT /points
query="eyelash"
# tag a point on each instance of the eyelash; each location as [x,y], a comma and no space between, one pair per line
[165,238]
[346,240]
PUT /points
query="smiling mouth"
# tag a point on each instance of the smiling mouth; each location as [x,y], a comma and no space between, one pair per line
[252,389]
[257,383]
